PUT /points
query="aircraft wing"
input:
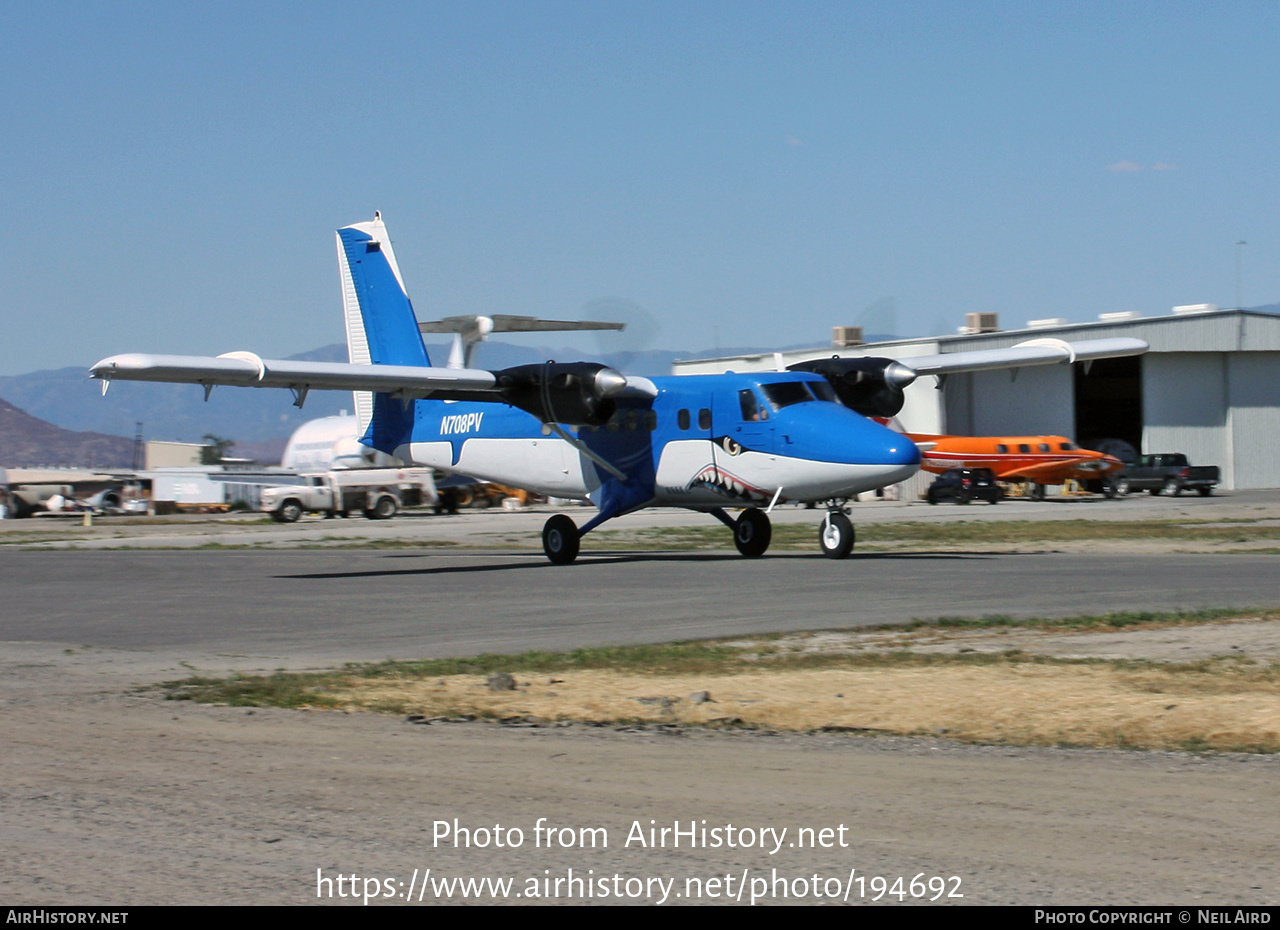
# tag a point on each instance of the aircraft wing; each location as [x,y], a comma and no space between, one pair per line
[244,369]
[1031,352]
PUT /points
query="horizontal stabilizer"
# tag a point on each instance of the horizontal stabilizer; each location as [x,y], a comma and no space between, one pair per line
[508,323]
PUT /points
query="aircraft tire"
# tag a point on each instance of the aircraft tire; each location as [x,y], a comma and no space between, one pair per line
[560,539]
[752,532]
[289,512]
[1037,491]
[835,536]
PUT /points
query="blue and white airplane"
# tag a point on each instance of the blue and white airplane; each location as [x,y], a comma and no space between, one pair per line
[581,430]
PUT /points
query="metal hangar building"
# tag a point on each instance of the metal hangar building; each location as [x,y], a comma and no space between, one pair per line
[1209,386]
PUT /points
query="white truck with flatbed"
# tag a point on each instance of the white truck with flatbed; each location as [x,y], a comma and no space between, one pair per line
[378,493]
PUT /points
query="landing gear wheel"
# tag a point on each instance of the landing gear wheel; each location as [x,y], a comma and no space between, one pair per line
[560,539]
[1037,492]
[836,536]
[752,532]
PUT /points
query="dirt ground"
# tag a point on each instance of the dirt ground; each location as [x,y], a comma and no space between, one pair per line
[114,796]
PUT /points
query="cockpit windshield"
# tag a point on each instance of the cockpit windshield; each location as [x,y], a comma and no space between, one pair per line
[785,393]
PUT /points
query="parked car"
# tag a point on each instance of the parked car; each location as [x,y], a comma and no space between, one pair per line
[965,484]
[1167,473]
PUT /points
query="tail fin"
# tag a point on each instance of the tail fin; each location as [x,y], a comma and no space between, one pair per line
[381,326]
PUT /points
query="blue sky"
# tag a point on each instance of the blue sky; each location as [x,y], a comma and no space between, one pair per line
[748,173]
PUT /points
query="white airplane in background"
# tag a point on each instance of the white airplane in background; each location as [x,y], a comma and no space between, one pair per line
[582,430]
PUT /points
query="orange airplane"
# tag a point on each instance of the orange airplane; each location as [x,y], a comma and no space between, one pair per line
[1033,460]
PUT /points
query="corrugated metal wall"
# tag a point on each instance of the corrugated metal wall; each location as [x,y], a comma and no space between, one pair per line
[1184,402]
[1039,402]
[1255,418]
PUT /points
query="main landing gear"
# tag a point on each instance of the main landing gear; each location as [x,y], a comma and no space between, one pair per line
[561,539]
[752,533]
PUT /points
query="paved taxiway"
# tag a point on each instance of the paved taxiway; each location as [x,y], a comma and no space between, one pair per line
[320,605]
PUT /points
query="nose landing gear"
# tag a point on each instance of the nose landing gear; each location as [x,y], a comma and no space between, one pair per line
[836,536]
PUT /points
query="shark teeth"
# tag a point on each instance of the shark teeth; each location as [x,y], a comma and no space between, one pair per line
[722,482]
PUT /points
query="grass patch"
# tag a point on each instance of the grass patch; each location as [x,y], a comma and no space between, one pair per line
[777,683]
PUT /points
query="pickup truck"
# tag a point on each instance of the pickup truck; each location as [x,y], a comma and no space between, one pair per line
[379,493]
[1167,473]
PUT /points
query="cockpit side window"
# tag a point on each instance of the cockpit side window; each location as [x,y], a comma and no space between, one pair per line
[785,393]
[822,390]
[752,409]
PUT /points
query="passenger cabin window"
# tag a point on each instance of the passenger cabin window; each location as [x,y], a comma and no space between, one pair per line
[1044,447]
[682,419]
[704,418]
[1023,447]
[1066,446]
[1002,449]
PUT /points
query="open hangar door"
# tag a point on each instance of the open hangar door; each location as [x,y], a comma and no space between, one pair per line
[1102,407]
[1108,406]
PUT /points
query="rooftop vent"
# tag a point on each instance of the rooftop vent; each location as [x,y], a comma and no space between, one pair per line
[1047,322]
[1195,308]
[1120,316]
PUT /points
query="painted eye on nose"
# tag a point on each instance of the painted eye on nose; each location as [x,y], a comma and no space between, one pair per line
[731,446]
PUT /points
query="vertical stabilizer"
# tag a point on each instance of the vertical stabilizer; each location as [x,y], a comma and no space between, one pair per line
[380,323]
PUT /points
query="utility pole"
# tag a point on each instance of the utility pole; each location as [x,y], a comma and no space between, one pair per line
[1239,251]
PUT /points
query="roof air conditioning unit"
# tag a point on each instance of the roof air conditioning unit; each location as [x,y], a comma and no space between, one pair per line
[982,322]
[845,336]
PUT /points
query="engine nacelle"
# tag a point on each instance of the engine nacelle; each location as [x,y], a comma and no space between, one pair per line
[871,386]
[574,393]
